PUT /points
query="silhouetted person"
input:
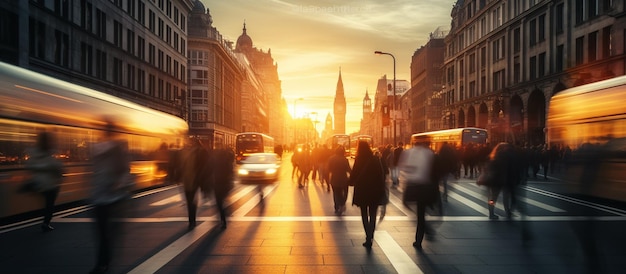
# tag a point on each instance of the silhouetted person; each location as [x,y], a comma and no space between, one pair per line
[305,165]
[416,167]
[109,187]
[449,161]
[46,175]
[397,151]
[223,160]
[368,178]
[504,175]
[339,169]
[195,176]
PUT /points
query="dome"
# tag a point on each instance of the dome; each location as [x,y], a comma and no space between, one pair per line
[244,41]
[198,7]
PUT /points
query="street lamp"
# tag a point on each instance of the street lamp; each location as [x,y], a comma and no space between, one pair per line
[394,91]
[294,119]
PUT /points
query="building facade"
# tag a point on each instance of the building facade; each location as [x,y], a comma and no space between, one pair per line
[215,82]
[504,60]
[134,50]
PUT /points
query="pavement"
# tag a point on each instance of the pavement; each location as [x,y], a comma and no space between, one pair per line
[295,230]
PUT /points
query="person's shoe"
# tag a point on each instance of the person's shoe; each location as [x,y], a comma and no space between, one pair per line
[417,245]
[223,226]
[367,244]
[493,217]
[46,228]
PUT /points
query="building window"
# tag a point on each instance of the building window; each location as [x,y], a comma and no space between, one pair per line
[101,64]
[592,46]
[472,63]
[498,49]
[86,58]
[37,41]
[517,72]
[61,50]
[516,40]
[483,57]
[560,18]
[580,11]
[606,42]
[141,80]
[117,33]
[472,89]
[541,32]
[117,71]
[86,14]
[580,50]
[141,13]
[151,85]
[130,42]
[141,48]
[101,24]
[592,9]
[151,54]
[559,58]
[151,21]
[130,75]
[483,85]
[498,80]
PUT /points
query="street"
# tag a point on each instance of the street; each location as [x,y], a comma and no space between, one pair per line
[295,230]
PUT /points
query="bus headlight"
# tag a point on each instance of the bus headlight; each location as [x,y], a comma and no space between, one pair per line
[243,171]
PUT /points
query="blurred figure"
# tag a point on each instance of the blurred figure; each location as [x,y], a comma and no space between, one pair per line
[449,161]
[222,162]
[368,178]
[304,162]
[417,174]
[278,149]
[504,174]
[338,169]
[110,185]
[47,173]
[195,176]
[397,151]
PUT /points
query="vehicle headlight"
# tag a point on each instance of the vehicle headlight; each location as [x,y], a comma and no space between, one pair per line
[270,171]
[243,171]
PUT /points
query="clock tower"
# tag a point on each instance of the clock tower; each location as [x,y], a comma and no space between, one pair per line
[340,108]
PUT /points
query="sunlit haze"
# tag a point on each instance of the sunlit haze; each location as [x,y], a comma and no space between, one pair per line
[311,40]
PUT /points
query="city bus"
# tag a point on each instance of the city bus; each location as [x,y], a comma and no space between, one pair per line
[590,121]
[339,140]
[247,143]
[354,142]
[457,137]
[76,116]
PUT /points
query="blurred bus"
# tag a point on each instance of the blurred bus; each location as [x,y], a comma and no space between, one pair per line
[354,142]
[75,116]
[247,143]
[339,140]
[590,120]
[457,137]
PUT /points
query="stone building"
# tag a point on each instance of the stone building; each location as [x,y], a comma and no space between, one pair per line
[504,60]
[216,78]
[269,105]
[134,50]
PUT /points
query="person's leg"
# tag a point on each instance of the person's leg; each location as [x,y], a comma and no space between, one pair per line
[494,191]
[49,196]
[421,225]
[192,207]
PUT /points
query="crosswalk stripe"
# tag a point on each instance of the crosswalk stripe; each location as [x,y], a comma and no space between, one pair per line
[395,254]
[499,205]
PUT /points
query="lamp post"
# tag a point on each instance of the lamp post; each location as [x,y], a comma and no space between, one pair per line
[294,119]
[394,91]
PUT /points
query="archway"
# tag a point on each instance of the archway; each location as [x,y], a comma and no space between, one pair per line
[536,117]
[483,116]
[461,119]
[471,117]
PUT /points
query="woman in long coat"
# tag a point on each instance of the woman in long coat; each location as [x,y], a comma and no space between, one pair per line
[368,178]
[338,169]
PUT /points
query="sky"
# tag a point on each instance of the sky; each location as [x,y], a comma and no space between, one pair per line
[312,40]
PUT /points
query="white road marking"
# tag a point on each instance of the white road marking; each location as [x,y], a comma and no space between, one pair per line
[250,204]
[499,205]
[395,254]
[168,253]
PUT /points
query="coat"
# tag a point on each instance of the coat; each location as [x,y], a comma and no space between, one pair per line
[111,172]
[46,171]
[368,178]
[338,168]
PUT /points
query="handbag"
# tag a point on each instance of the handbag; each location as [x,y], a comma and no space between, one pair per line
[29,186]
[486,177]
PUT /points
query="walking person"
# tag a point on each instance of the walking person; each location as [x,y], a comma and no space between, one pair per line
[368,178]
[195,177]
[449,160]
[339,168]
[222,165]
[498,174]
[110,186]
[46,175]
[418,175]
[305,165]
[397,151]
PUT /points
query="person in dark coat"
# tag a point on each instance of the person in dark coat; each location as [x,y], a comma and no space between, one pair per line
[368,178]
[195,165]
[504,175]
[47,172]
[223,163]
[339,169]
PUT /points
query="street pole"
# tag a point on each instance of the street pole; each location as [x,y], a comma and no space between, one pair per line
[394,92]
